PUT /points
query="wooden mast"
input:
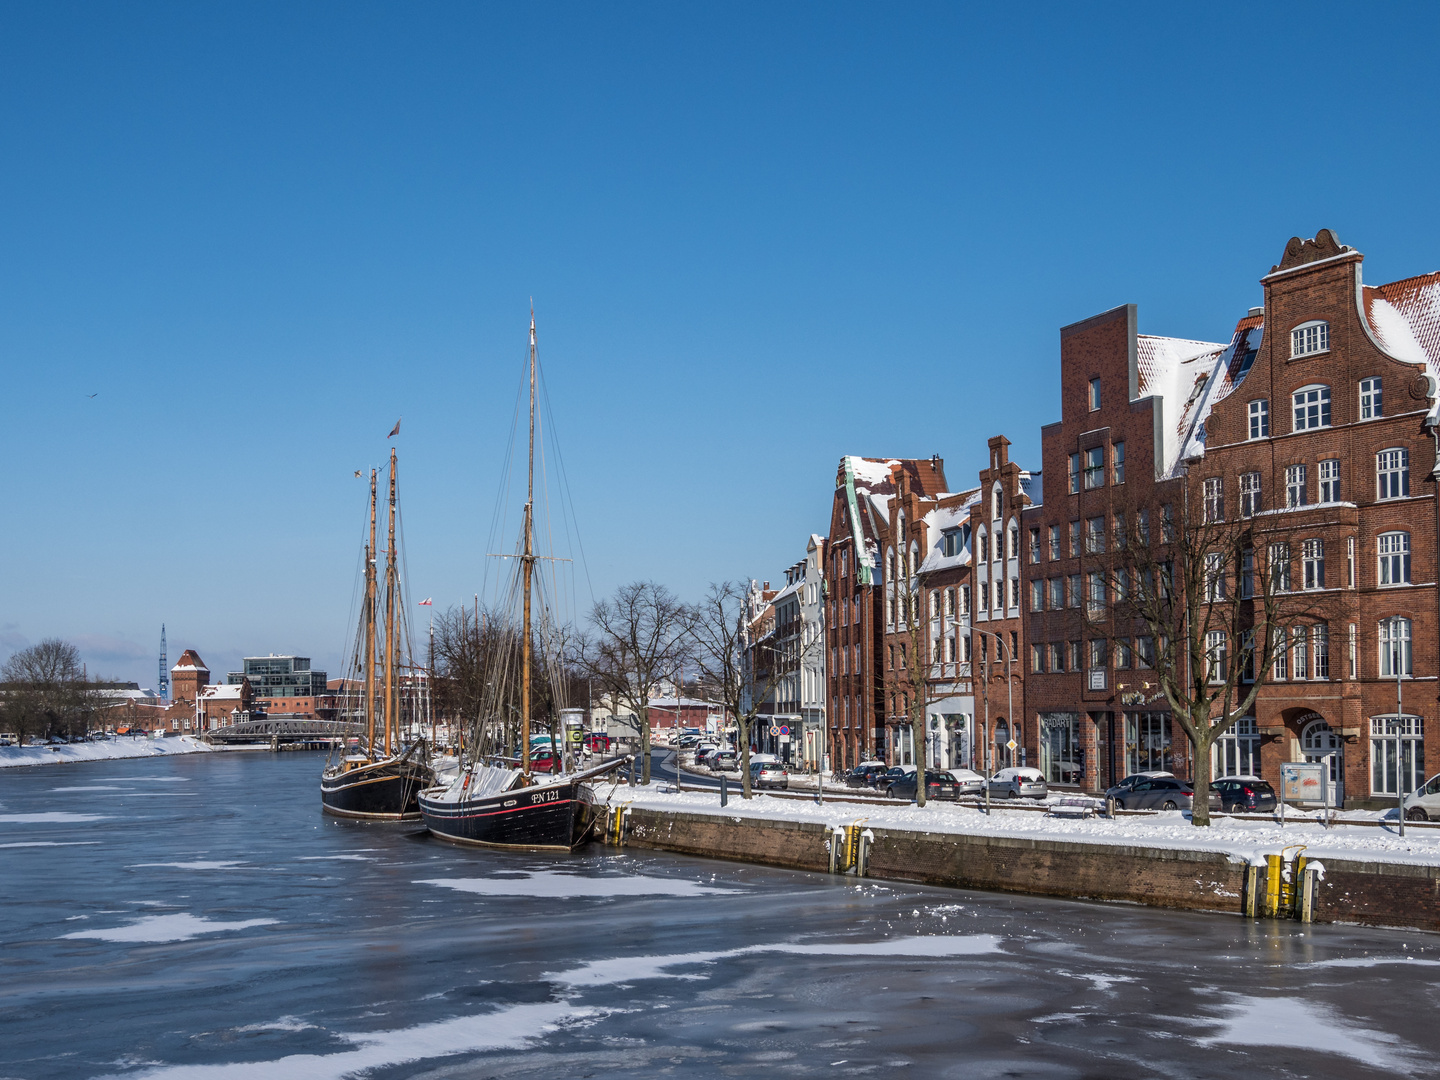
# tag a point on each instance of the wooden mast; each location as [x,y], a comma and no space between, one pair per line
[527,564]
[390,717]
[370,630]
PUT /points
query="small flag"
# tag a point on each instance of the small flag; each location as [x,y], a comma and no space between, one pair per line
[357,472]
[427,602]
[394,431]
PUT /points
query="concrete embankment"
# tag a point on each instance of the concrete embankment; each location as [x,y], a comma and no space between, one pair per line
[1363,891]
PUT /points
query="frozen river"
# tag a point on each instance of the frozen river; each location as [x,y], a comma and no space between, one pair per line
[197,917]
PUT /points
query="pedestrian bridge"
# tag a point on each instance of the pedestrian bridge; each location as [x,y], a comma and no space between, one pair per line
[284,732]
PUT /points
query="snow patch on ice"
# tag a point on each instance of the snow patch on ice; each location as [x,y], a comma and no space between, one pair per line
[161,928]
[50,843]
[198,864]
[49,817]
[507,1029]
[1289,1022]
[551,885]
[627,969]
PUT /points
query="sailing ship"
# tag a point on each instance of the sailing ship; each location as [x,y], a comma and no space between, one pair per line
[379,779]
[495,801]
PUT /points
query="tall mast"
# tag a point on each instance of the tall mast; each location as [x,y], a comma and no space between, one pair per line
[527,564]
[370,629]
[390,717]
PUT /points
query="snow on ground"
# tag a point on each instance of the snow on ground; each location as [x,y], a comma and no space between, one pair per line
[1250,841]
[120,747]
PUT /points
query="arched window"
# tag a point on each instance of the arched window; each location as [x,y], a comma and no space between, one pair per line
[890,564]
[1392,473]
[982,546]
[1310,337]
[1395,647]
[1312,407]
[1014,533]
[997,502]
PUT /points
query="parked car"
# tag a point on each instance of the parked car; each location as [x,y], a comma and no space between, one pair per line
[769,774]
[687,742]
[597,744]
[1163,793]
[1423,804]
[721,761]
[938,785]
[1018,783]
[703,751]
[865,774]
[889,776]
[1243,794]
[1124,787]
[967,782]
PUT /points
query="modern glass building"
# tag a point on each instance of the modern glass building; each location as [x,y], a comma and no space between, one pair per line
[280,677]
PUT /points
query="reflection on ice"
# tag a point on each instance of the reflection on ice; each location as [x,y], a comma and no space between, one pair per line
[554,885]
[158,928]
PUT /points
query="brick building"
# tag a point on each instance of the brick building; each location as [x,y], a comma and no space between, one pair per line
[1129,406]
[1324,436]
[1006,492]
[854,618]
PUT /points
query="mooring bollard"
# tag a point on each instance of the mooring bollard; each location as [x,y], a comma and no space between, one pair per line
[632,771]
[836,844]
[724,790]
[1110,807]
[862,860]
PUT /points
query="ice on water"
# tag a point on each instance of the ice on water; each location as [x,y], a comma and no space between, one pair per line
[151,929]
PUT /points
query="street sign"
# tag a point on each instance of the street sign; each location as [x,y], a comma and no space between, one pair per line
[774,730]
[1011,745]
[784,729]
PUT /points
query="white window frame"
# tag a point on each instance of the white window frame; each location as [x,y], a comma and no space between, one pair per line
[1260,419]
[1382,753]
[1392,473]
[1249,494]
[1372,404]
[1239,746]
[1297,486]
[1310,338]
[1214,495]
[1329,473]
[1407,666]
[1393,559]
[1312,399]
[1312,563]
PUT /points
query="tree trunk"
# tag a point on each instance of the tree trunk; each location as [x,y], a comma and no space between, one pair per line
[917,737]
[743,729]
[645,746]
[1200,805]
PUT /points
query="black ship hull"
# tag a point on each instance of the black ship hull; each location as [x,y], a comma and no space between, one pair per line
[546,816]
[382,791]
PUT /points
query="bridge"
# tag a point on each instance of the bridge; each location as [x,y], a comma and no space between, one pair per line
[278,732]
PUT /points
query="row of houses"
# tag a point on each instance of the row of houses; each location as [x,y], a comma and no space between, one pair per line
[1312,422]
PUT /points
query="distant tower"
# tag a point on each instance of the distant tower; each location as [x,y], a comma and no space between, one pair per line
[164,687]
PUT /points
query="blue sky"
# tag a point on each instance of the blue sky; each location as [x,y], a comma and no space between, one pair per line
[757,237]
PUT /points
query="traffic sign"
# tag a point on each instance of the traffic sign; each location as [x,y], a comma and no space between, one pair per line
[784,729]
[1011,745]
[774,730]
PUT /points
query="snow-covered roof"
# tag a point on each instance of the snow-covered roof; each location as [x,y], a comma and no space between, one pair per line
[1176,371]
[873,472]
[1404,317]
[951,512]
[789,590]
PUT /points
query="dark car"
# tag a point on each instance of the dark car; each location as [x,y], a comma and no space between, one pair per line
[864,774]
[938,785]
[1244,794]
[1162,793]
[1124,787]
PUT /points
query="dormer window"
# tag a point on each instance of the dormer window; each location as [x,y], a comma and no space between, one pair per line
[1310,337]
[950,543]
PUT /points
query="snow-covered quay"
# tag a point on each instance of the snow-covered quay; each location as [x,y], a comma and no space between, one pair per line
[110,750]
[1370,873]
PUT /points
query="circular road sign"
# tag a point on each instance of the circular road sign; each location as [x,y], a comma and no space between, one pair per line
[774,730]
[784,729]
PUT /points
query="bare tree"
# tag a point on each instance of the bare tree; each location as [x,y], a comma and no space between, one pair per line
[639,636]
[1213,604]
[917,667]
[726,657]
[45,690]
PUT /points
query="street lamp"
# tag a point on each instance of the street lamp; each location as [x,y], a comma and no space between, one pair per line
[1395,655]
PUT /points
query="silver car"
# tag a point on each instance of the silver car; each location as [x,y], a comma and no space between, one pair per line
[769,774]
[1018,783]
[1423,804]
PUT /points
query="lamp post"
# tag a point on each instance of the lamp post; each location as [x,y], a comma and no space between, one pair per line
[1395,655]
[985,686]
